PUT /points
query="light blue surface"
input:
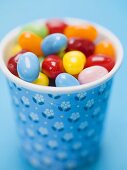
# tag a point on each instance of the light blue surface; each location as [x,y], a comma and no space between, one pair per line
[111,14]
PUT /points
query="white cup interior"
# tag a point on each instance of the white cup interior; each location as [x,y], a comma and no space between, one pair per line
[10,39]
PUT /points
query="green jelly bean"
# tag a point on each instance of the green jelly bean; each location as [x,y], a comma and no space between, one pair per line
[41,59]
[61,54]
[38,29]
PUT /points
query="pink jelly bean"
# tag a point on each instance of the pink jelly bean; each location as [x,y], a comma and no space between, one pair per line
[91,74]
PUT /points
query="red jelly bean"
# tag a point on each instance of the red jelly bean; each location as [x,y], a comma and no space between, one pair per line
[80,44]
[56,26]
[12,63]
[100,60]
[52,66]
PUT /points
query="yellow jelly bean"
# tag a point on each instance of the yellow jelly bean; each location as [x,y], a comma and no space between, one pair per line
[74,62]
[42,80]
[16,49]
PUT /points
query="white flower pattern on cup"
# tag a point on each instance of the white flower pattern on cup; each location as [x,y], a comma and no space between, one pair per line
[48,113]
[25,101]
[102,89]
[62,155]
[30,132]
[38,147]
[47,161]
[58,126]
[96,112]
[71,165]
[22,117]
[90,133]
[34,161]
[74,117]
[43,131]
[39,99]
[83,126]
[81,96]
[16,101]
[76,146]
[67,137]
[34,117]
[65,106]
[52,144]
[89,104]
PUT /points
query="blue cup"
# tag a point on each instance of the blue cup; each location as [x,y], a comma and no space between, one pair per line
[60,128]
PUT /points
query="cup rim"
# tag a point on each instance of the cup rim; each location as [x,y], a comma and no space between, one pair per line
[119,56]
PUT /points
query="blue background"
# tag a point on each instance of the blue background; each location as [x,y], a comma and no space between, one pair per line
[109,13]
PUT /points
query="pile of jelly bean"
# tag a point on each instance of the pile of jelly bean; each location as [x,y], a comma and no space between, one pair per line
[59,54]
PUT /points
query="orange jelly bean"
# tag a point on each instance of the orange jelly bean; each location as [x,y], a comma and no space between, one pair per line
[31,42]
[82,31]
[106,48]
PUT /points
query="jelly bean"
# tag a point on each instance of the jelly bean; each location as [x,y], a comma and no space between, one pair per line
[74,62]
[56,26]
[31,42]
[42,80]
[81,31]
[54,43]
[100,60]
[12,63]
[106,48]
[91,74]
[65,80]
[38,29]
[80,44]
[61,54]
[41,59]
[28,67]
[16,49]
[52,66]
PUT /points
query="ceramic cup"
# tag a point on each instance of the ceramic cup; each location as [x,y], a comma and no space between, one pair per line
[60,128]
